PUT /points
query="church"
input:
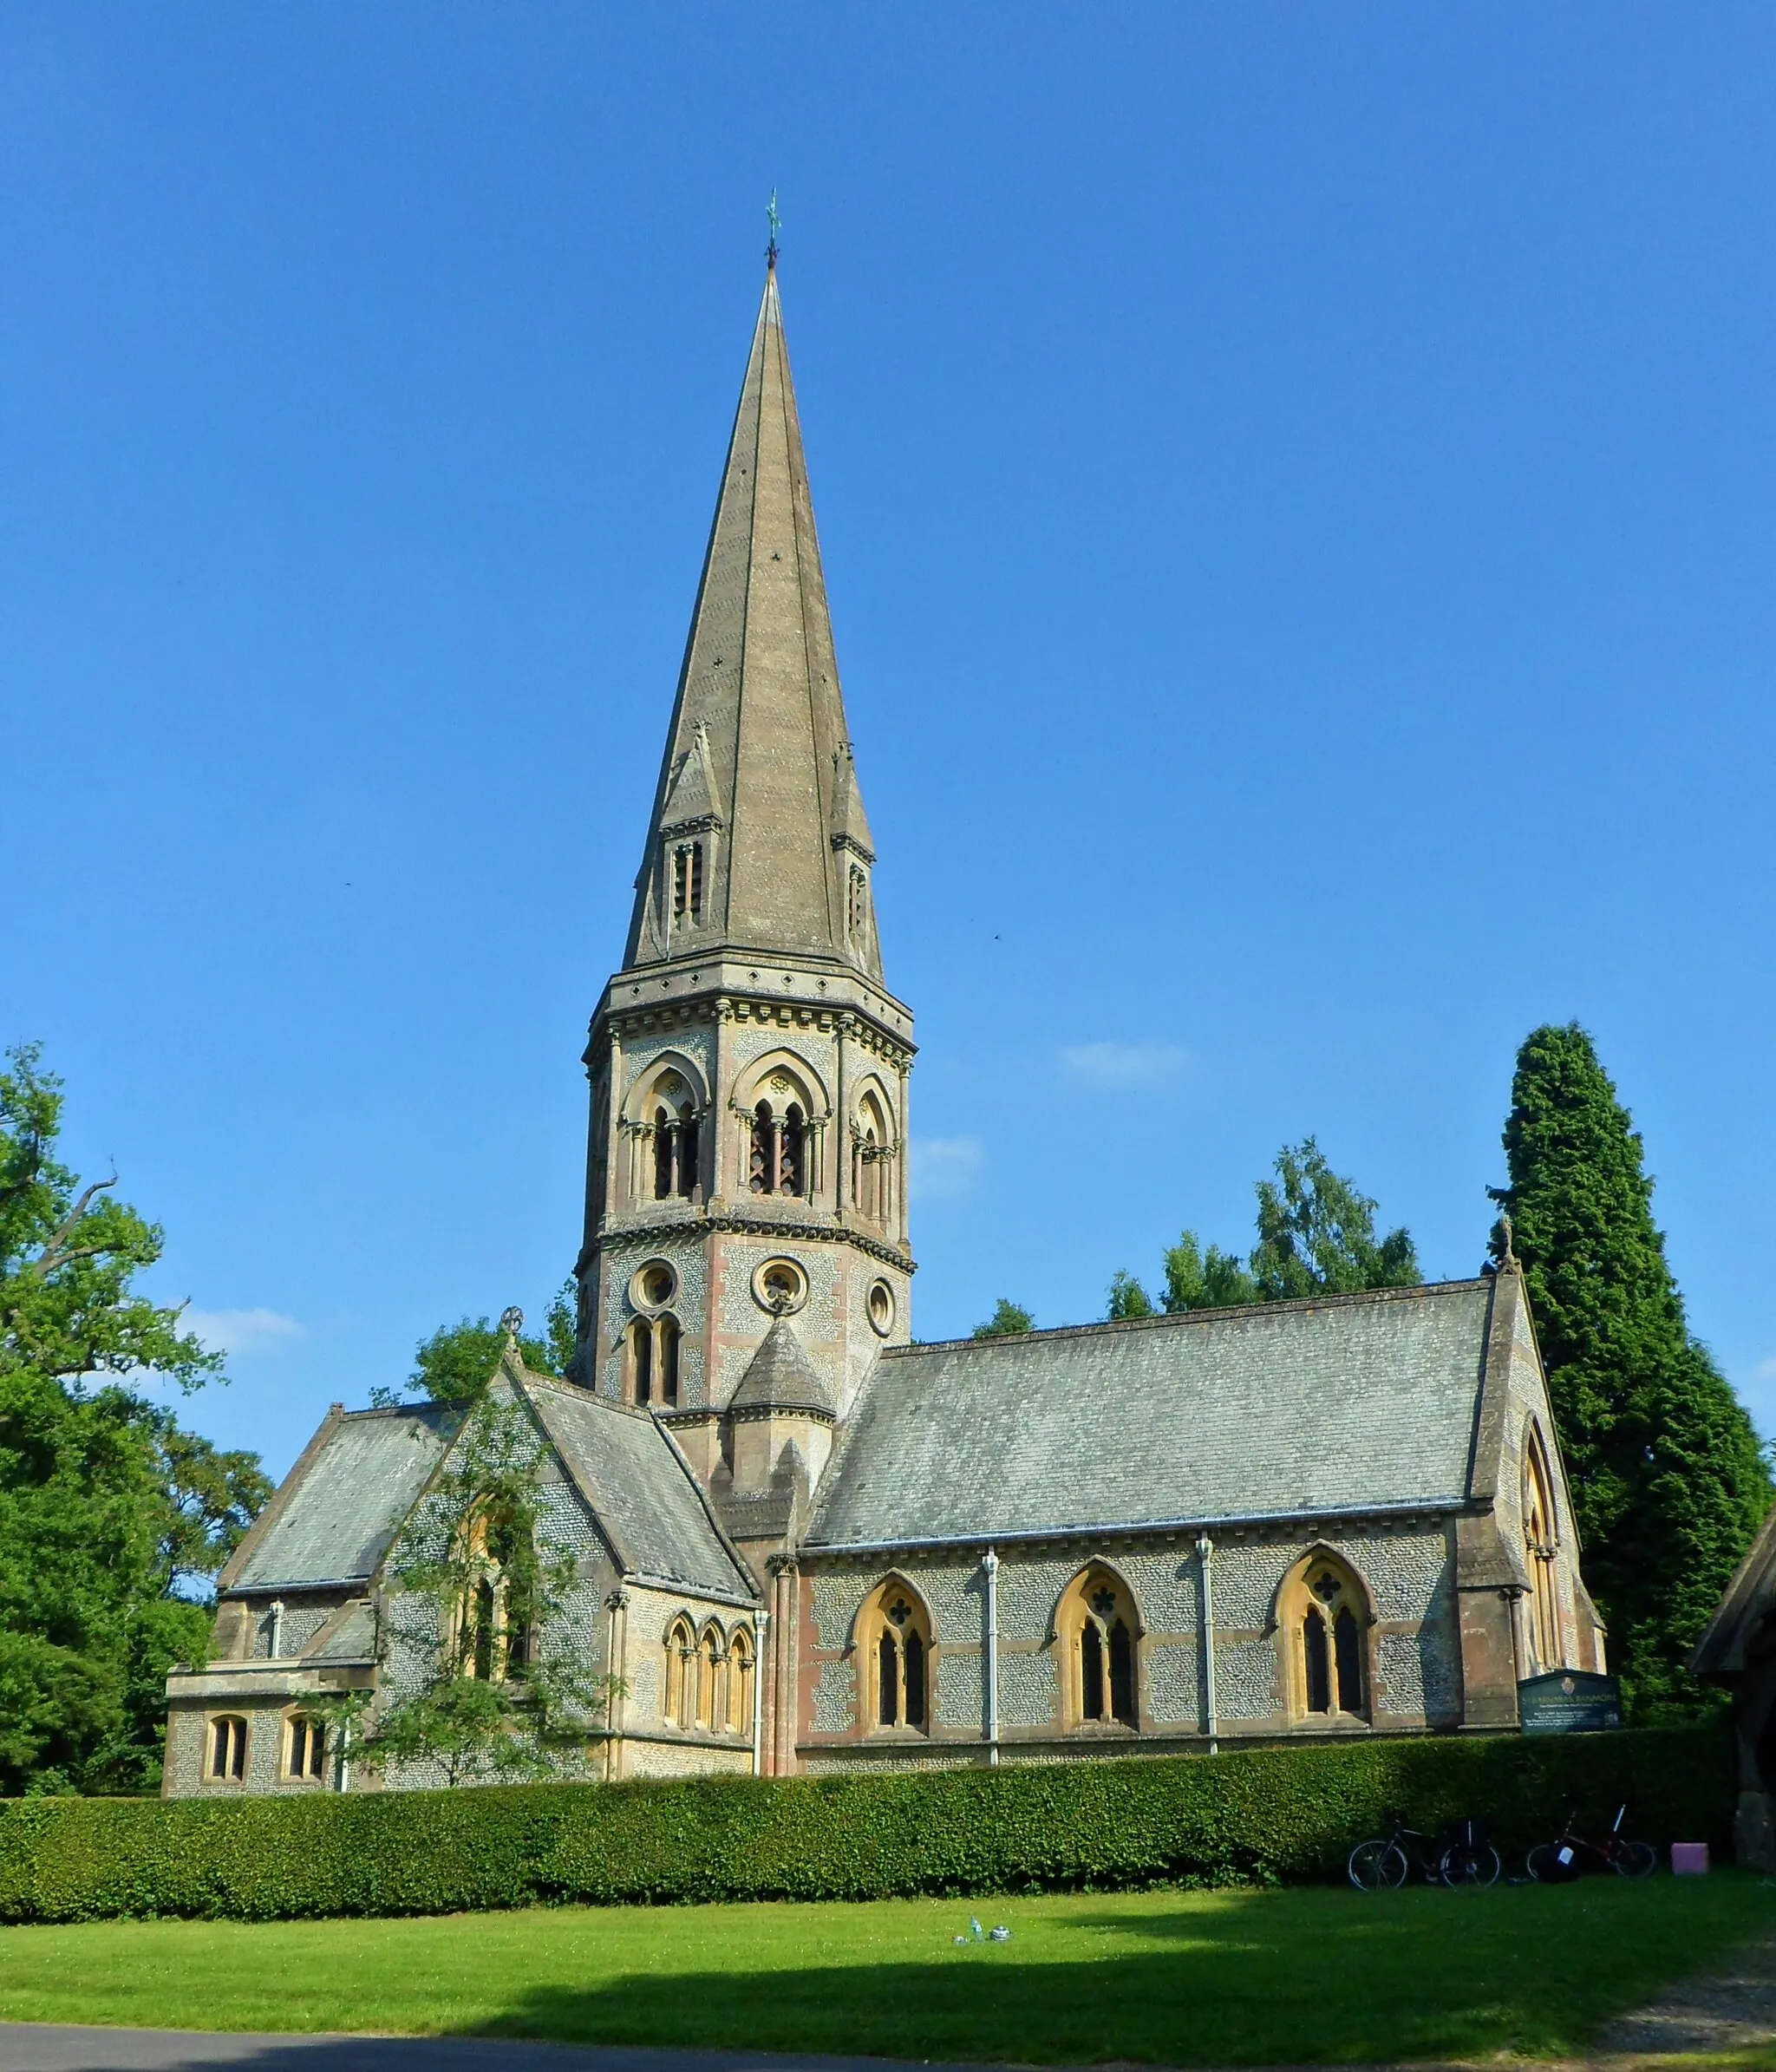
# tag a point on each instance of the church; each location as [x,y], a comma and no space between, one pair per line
[802,1542]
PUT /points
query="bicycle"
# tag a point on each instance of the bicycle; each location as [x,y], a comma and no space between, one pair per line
[1559,1861]
[1464,1857]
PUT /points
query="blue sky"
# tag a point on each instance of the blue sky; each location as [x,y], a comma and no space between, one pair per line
[1297,489]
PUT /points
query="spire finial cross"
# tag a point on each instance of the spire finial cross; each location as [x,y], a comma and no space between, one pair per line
[776,221]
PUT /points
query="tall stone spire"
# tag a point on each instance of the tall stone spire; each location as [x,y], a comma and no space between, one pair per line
[758,842]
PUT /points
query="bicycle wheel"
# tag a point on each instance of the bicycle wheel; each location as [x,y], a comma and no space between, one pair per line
[1634,1860]
[1374,1866]
[1547,1866]
[1463,1865]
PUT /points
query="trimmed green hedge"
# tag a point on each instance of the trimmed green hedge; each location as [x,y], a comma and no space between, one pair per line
[1261,1813]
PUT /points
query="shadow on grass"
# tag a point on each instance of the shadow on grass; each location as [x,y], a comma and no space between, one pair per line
[1287,1980]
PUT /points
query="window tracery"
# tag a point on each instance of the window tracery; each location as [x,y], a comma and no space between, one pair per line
[1326,1620]
[895,1659]
[777,1160]
[1098,1627]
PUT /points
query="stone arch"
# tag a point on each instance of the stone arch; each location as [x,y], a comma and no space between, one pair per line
[874,1148]
[1540,1514]
[892,1643]
[1323,1617]
[664,1124]
[782,1108]
[1096,1632]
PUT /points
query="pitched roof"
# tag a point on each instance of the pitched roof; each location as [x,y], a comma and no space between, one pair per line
[780,1376]
[640,1489]
[1344,1403]
[343,1503]
[759,738]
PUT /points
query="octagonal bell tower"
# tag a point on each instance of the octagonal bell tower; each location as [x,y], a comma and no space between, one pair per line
[748,1153]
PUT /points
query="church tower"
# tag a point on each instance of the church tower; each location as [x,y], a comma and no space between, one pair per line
[745,1250]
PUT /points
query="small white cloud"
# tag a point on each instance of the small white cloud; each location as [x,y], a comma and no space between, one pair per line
[1124,1065]
[940,1168]
[241,1331]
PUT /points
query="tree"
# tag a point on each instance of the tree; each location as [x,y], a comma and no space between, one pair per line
[457,1362]
[111,1514]
[1316,1236]
[1008,1318]
[1127,1298]
[1667,1479]
[480,1642]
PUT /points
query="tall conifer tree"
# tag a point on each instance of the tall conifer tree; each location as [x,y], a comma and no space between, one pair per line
[1667,1477]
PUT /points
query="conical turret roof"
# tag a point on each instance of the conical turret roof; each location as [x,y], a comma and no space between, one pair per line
[782,1377]
[758,764]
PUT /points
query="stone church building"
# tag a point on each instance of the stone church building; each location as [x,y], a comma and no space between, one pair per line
[803,1542]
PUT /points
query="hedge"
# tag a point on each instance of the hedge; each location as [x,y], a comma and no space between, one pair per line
[1263,1814]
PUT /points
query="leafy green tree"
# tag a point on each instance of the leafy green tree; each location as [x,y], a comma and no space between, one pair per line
[1316,1236]
[1668,1479]
[479,1637]
[111,1515]
[455,1364]
[1199,1280]
[1008,1318]
[1127,1298]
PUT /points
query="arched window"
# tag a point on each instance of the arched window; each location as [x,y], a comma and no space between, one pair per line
[709,1657]
[1326,1616]
[740,1683]
[1097,1629]
[778,1159]
[305,1747]
[676,1146]
[895,1655]
[687,882]
[494,1634]
[870,1159]
[653,1359]
[679,1709]
[1540,1545]
[227,1752]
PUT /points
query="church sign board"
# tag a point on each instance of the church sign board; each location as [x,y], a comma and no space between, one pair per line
[1568,1701]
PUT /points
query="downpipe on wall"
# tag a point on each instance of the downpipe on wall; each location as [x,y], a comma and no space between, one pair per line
[990,1562]
[1205,1554]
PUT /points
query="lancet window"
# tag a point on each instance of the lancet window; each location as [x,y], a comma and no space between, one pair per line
[653,1361]
[1540,1546]
[894,1656]
[687,882]
[227,1753]
[1329,1619]
[494,1628]
[779,1151]
[857,904]
[1097,1629]
[305,1747]
[681,1706]
[710,1661]
[740,1683]
[872,1160]
[676,1149]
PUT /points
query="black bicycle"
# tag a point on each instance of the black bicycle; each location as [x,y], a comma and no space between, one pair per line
[1564,1859]
[1459,1855]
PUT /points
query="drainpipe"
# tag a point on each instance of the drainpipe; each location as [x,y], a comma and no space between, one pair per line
[990,1563]
[761,1627]
[616,1662]
[1206,1551]
[345,1756]
[274,1648]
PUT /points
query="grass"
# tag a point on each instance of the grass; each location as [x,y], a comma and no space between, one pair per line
[1182,1978]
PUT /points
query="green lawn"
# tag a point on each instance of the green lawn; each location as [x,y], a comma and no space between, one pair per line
[1180,1978]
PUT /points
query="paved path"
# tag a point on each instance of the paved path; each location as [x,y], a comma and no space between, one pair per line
[29,2047]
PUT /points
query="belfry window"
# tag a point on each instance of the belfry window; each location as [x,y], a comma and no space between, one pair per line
[687,882]
[1331,1620]
[1098,1625]
[856,903]
[896,1653]
[678,1146]
[778,1161]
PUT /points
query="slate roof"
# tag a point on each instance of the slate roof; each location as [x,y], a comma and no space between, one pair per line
[1344,1403]
[780,1376]
[350,1498]
[640,1489]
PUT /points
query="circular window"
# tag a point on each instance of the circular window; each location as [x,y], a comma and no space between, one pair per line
[781,1286]
[653,1286]
[881,1307]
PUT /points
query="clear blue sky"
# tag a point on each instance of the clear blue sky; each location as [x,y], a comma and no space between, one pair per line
[1296,486]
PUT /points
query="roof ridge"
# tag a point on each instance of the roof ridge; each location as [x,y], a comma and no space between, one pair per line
[1294,1304]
